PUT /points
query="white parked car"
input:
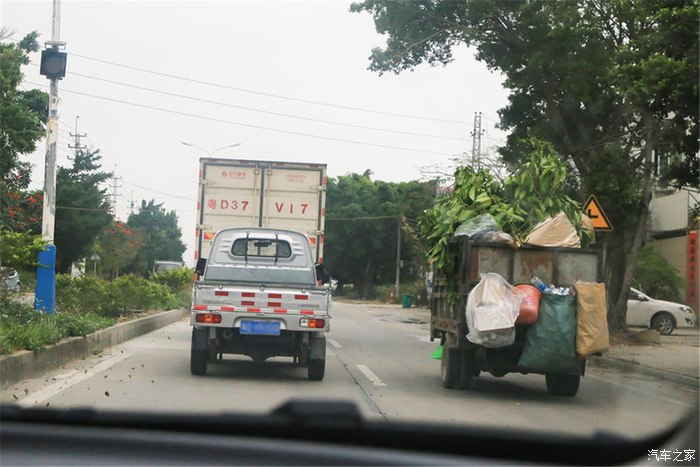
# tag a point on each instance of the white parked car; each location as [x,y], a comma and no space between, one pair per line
[10,280]
[661,315]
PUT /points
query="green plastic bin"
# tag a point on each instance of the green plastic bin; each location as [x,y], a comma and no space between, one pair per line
[407,300]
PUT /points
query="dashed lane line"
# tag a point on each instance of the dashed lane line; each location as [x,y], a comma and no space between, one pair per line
[370,375]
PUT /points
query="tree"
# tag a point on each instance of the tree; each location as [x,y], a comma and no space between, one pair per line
[117,246]
[361,229]
[22,117]
[162,237]
[657,277]
[610,84]
[82,208]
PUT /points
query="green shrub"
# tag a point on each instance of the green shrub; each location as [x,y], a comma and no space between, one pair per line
[656,277]
[82,294]
[176,280]
[136,293]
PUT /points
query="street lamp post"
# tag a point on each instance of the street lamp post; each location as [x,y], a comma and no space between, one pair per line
[211,153]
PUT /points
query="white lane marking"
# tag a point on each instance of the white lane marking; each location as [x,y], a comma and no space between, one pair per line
[334,343]
[641,391]
[369,374]
[47,392]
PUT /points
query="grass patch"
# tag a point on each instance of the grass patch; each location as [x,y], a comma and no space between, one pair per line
[22,328]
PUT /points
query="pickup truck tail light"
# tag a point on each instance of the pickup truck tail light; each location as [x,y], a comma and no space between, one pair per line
[208,318]
[314,323]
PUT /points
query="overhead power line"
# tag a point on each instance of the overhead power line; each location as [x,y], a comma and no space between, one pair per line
[248,125]
[269,112]
[267,94]
[160,192]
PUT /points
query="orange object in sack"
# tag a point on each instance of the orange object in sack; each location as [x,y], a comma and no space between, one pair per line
[529,305]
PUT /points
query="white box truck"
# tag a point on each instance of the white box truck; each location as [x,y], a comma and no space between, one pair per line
[250,193]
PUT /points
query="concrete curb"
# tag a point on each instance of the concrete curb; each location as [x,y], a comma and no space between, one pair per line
[686,380]
[27,364]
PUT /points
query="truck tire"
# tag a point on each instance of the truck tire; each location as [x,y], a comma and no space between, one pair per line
[198,362]
[563,385]
[199,357]
[317,369]
[450,367]
[468,370]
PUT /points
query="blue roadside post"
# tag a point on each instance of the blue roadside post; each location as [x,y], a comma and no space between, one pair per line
[45,293]
[53,66]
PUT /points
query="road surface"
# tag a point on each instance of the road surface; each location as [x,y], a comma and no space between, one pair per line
[379,357]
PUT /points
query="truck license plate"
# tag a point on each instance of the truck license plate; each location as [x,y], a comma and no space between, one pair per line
[262,328]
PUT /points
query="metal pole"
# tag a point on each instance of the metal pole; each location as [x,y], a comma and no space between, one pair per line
[398,260]
[45,296]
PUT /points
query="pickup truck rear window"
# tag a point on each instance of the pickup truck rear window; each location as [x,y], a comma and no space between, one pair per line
[266,248]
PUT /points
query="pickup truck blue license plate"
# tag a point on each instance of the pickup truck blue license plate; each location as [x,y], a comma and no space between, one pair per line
[261,328]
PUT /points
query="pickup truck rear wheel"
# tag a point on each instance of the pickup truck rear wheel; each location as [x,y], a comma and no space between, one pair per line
[317,369]
[198,362]
[199,353]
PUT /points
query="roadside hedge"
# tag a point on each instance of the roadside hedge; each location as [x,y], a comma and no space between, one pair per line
[87,303]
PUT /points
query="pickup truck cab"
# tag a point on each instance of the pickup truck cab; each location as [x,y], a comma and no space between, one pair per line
[258,296]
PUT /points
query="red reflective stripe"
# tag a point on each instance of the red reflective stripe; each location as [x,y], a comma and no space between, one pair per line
[323,211]
[196,254]
[248,303]
[325,181]
[274,304]
[227,308]
[200,307]
[221,293]
[254,310]
[301,297]
[307,312]
[274,295]
[248,294]
[278,310]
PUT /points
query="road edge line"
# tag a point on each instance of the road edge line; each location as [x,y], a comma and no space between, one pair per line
[26,364]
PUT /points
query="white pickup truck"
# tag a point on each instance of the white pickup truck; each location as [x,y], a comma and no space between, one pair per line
[258,296]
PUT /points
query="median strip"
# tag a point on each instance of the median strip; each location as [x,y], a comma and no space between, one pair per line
[27,364]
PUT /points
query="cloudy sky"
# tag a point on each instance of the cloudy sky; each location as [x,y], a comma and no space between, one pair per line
[288,80]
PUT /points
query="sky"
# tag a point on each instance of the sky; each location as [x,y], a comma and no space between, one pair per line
[233,67]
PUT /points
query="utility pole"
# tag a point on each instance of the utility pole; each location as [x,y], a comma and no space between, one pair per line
[398,259]
[476,141]
[131,203]
[115,191]
[77,146]
[53,67]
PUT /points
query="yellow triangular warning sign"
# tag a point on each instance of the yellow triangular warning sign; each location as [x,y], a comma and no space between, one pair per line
[598,218]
